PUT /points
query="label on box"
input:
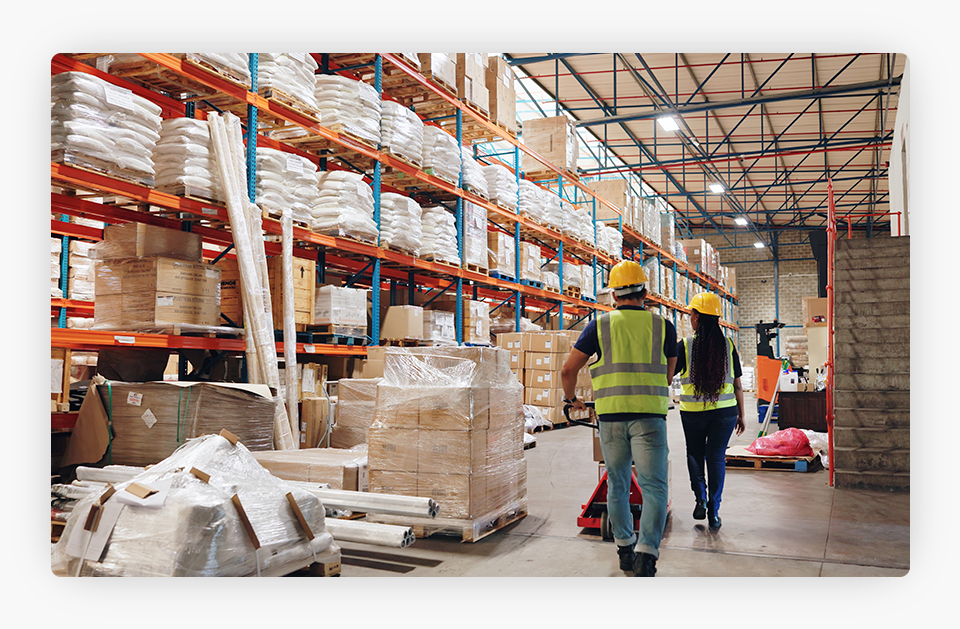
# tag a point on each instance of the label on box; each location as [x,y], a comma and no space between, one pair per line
[118,96]
[294,165]
[164,300]
[134,398]
[212,273]
[148,418]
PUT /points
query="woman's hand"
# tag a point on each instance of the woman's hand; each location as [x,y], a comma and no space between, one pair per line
[741,426]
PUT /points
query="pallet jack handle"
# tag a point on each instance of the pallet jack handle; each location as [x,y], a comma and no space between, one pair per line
[579,422]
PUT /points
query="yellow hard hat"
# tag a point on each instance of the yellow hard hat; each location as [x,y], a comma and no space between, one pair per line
[626,273]
[706,303]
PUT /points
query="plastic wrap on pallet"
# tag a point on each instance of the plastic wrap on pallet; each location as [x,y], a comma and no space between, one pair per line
[350,106]
[668,230]
[99,125]
[400,223]
[571,273]
[501,254]
[439,327]
[449,423]
[501,185]
[235,64]
[473,174]
[193,527]
[552,210]
[612,240]
[341,307]
[439,235]
[577,222]
[344,206]
[530,261]
[441,153]
[356,403]
[550,279]
[475,234]
[587,284]
[293,73]
[285,180]
[341,469]
[140,240]
[532,201]
[652,267]
[401,132]
[679,252]
[651,219]
[183,159]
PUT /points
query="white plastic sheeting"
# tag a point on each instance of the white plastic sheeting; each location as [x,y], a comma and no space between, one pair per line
[441,153]
[285,180]
[473,176]
[401,132]
[501,185]
[400,223]
[344,206]
[532,201]
[348,105]
[439,235]
[293,73]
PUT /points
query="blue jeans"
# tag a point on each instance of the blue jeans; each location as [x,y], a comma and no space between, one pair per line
[706,435]
[642,442]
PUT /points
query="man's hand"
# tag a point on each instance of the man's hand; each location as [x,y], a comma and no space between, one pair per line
[579,405]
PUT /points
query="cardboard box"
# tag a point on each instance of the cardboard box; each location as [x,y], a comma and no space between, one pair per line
[814,311]
[396,407]
[164,275]
[514,341]
[140,240]
[153,309]
[402,322]
[537,379]
[616,191]
[347,437]
[393,449]
[503,93]
[340,468]
[399,483]
[539,361]
[440,66]
[530,262]
[439,326]
[597,450]
[314,414]
[460,496]
[732,280]
[454,408]
[506,408]
[371,369]
[542,397]
[304,289]
[452,451]
[356,403]
[555,139]
[341,307]
[550,342]
[516,361]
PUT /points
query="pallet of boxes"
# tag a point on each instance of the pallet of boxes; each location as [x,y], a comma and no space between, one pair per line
[536,359]
[448,425]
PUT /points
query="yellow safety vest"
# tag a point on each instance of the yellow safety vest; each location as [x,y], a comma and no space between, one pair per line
[631,373]
[688,401]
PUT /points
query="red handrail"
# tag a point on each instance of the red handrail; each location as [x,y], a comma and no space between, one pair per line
[831,240]
[850,223]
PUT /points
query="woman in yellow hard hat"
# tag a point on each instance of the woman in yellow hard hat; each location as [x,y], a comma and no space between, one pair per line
[711,403]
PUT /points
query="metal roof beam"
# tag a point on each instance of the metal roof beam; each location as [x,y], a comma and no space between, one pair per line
[550,57]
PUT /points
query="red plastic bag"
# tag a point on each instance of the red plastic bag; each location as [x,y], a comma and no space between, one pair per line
[788,442]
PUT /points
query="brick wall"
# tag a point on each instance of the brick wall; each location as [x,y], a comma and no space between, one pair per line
[755,286]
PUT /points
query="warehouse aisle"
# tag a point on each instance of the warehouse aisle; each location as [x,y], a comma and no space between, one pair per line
[774,524]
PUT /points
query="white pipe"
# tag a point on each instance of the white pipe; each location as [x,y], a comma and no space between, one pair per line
[289,322]
[366,502]
[110,474]
[369,533]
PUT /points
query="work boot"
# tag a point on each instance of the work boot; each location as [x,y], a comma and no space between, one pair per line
[700,511]
[627,556]
[714,521]
[645,565]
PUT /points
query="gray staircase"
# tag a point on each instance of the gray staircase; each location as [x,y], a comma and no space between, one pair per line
[871,429]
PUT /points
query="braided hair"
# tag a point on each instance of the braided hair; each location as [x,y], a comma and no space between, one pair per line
[709,358]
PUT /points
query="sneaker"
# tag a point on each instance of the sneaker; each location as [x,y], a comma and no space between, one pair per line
[700,511]
[714,521]
[627,557]
[645,565]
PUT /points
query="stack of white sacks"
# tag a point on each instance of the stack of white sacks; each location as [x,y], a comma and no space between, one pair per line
[401,132]
[82,276]
[588,286]
[293,73]
[183,159]
[473,175]
[285,180]
[651,219]
[532,202]
[236,64]
[610,240]
[56,245]
[550,279]
[552,210]
[439,235]
[400,223]
[441,153]
[351,106]
[344,206]
[577,222]
[501,185]
[96,124]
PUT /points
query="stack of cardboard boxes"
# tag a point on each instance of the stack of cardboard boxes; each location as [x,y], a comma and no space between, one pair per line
[472,80]
[503,93]
[343,309]
[356,403]
[440,66]
[536,358]
[153,278]
[304,290]
[555,139]
[449,426]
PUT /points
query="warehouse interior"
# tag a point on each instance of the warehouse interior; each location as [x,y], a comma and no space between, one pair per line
[403,286]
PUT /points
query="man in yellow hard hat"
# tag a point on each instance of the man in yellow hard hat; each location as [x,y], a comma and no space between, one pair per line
[636,356]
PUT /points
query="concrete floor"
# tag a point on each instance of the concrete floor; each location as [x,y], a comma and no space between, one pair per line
[775,523]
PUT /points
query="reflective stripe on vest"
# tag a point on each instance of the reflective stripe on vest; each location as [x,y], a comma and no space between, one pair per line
[689,401]
[631,374]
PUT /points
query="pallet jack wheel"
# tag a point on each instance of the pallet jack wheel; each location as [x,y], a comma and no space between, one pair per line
[606,534]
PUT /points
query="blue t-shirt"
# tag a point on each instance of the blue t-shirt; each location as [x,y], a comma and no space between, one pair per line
[589,344]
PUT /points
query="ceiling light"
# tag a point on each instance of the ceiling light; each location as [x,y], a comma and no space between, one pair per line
[716,188]
[741,221]
[759,245]
[667,123]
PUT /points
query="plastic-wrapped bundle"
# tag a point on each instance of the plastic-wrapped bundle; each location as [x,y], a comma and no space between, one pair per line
[55,247]
[587,284]
[348,105]
[571,274]
[193,527]
[343,308]
[400,223]
[501,185]
[532,201]
[550,279]
[502,254]
[473,176]
[401,132]
[654,272]
[235,64]
[292,73]
[96,124]
[344,206]
[441,153]
[577,222]
[286,180]
[439,235]
[679,252]
[651,219]
[474,234]
[183,159]
[613,240]
[667,230]
[552,210]
[530,261]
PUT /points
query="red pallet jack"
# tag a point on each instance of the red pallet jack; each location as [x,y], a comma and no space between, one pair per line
[594,515]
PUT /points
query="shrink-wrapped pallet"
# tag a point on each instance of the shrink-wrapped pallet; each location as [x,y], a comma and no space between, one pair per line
[532,201]
[473,175]
[577,223]
[342,308]
[449,423]
[474,235]
[344,469]
[217,512]
[285,180]
[651,219]
[293,74]
[441,154]
[652,267]
[587,283]
[233,64]
[344,206]
[184,162]
[501,185]
[56,244]
[98,125]
[439,327]
[439,235]
[349,106]
[356,403]
[530,261]
[400,223]
[401,132]
[610,240]
[668,230]
[550,279]
[501,254]
[553,212]
[571,274]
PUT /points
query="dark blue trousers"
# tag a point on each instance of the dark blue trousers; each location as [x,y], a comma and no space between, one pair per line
[707,434]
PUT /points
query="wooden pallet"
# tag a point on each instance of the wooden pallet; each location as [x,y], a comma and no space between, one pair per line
[224,73]
[189,192]
[547,175]
[476,269]
[528,446]
[468,531]
[572,291]
[740,458]
[433,173]
[320,569]
[274,95]
[551,289]
[81,162]
[401,342]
